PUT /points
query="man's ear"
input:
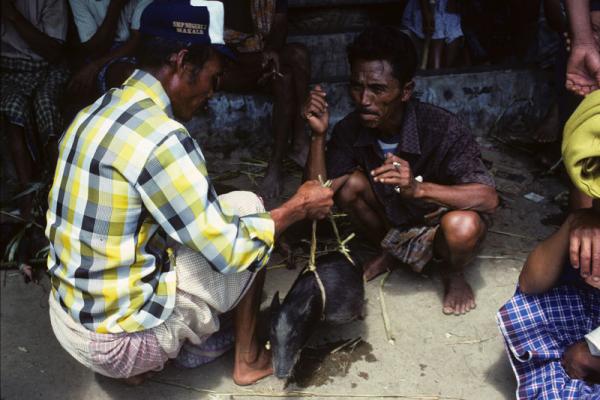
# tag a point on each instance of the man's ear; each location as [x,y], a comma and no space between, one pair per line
[178,60]
[407,90]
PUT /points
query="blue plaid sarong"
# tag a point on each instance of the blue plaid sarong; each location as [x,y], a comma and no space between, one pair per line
[538,328]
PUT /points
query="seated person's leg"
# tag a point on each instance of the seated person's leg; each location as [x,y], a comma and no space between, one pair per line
[456,243]
[23,163]
[356,197]
[296,59]
[283,114]
[252,361]
[48,117]
[244,75]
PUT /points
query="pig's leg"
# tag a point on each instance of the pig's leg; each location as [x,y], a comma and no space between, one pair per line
[357,198]
[456,243]
[252,361]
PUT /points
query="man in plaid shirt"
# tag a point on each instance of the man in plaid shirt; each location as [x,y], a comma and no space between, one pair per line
[130,180]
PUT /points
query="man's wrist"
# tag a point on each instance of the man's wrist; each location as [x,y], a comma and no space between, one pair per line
[419,190]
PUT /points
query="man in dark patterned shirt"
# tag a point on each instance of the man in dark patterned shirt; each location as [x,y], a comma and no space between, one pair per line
[408,173]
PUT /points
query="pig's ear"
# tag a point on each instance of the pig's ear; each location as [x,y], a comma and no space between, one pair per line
[275,303]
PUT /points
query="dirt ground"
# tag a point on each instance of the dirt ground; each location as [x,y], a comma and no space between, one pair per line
[433,356]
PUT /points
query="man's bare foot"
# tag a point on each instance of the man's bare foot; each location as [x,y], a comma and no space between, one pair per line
[378,265]
[253,368]
[138,379]
[272,184]
[458,295]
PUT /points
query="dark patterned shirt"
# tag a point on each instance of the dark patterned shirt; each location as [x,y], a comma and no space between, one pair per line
[435,143]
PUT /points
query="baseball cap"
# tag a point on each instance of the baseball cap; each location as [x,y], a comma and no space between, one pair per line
[187,21]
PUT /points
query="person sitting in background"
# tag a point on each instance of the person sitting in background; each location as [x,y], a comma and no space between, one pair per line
[108,36]
[409,174]
[551,326]
[257,31]
[32,80]
[438,22]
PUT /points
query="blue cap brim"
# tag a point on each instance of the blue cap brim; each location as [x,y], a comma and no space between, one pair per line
[226,51]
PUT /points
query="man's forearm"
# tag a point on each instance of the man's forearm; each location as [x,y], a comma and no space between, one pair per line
[579,18]
[315,164]
[104,37]
[127,49]
[470,196]
[42,44]
[287,214]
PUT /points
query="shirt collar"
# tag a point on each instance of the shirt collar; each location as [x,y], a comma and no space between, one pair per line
[409,135]
[152,87]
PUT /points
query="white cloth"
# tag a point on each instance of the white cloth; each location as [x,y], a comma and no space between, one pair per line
[593,341]
[202,294]
[447,25]
[49,16]
[89,15]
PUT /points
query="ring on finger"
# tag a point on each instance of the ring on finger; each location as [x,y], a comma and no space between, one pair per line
[396,165]
[397,189]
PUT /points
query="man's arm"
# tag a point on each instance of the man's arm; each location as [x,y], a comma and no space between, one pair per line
[274,42]
[46,46]
[470,196]
[83,81]
[316,113]
[101,40]
[175,189]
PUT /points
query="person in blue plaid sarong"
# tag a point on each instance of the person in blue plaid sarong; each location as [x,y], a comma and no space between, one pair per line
[551,325]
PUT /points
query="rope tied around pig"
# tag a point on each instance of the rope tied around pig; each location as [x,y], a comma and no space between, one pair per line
[342,248]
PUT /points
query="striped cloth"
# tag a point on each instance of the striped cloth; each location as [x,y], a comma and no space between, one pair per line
[413,247]
[130,178]
[30,95]
[538,328]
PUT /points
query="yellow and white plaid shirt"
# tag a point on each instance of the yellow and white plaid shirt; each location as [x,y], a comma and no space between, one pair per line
[128,177]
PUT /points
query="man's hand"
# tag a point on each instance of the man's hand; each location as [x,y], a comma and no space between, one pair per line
[84,80]
[579,363]
[397,172]
[584,245]
[317,199]
[316,111]
[583,69]
[270,65]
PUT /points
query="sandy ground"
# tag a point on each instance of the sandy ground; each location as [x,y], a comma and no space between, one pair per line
[446,357]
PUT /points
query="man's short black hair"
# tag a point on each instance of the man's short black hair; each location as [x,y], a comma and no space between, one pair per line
[154,52]
[386,43]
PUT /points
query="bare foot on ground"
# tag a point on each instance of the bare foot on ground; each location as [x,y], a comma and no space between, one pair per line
[272,184]
[254,368]
[378,265]
[138,379]
[458,295]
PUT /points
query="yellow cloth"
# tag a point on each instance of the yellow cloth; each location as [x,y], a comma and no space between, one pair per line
[581,145]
